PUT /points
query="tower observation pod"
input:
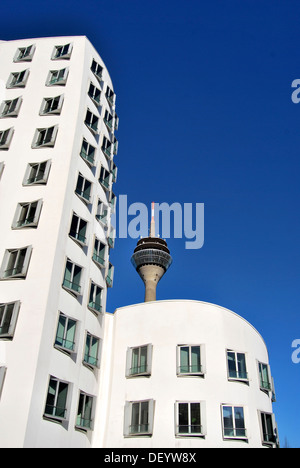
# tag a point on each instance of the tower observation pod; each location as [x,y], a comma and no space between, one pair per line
[151,259]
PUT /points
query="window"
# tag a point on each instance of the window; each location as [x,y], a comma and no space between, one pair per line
[45,137]
[1,168]
[111,237]
[37,173]
[268,428]
[233,422]
[8,319]
[2,377]
[56,403]
[18,79]
[110,275]
[27,214]
[116,124]
[10,108]
[24,54]
[91,351]
[83,188]
[106,147]
[189,418]
[115,145]
[15,263]
[97,70]
[5,138]
[85,411]
[52,105]
[72,277]
[95,94]
[264,377]
[65,333]
[112,201]
[91,121]
[138,418]
[104,178]
[189,360]
[99,252]
[110,96]
[95,298]
[236,365]
[139,361]
[62,52]
[101,213]
[87,152]
[108,120]
[78,229]
[114,171]
[57,77]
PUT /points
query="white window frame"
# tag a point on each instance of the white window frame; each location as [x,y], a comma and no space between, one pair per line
[80,419]
[238,377]
[27,52]
[108,120]
[110,96]
[27,222]
[35,180]
[139,370]
[144,429]
[102,213]
[264,386]
[61,79]
[75,291]
[114,171]
[13,319]
[93,293]
[87,152]
[106,147]
[63,347]
[75,234]
[21,273]
[97,70]
[55,111]
[93,91]
[92,121]
[271,439]
[189,433]
[48,140]
[87,356]
[191,372]
[57,417]
[80,189]
[66,55]
[5,138]
[10,108]
[235,435]
[16,80]
[3,370]
[111,236]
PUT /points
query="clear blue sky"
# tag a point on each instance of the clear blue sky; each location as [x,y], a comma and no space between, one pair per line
[206,116]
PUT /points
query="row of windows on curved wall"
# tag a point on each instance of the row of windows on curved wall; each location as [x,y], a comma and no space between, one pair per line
[190,421]
[190,360]
[26,54]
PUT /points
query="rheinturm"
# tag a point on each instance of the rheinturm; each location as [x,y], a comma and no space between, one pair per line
[151,259]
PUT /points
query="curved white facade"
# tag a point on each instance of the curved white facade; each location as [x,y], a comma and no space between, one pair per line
[142,405]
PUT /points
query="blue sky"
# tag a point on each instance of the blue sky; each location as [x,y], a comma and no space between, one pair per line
[206,116]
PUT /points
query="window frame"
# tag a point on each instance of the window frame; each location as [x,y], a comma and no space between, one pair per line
[264,386]
[87,356]
[93,91]
[19,211]
[14,80]
[25,265]
[57,417]
[109,274]
[271,439]
[33,180]
[128,418]
[92,122]
[87,155]
[3,370]
[75,291]
[234,429]
[10,113]
[93,305]
[56,111]
[202,424]
[81,185]
[26,58]
[98,259]
[193,373]
[147,367]
[9,334]
[60,81]
[94,68]
[238,377]
[7,134]
[48,141]
[90,420]
[74,235]
[66,55]
[63,347]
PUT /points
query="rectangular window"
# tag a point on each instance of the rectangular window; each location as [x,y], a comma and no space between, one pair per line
[83,189]
[24,54]
[108,120]
[91,121]
[189,358]
[99,252]
[15,263]
[27,214]
[91,351]
[52,105]
[112,201]
[10,108]
[97,70]
[5,138]
[268,428]
[65,333]
[139,361]
[234,422]
[111,237]
[78,229]
[37,173]
[114,172]
[116,124]
[115,145]
[104,178]
[138,420]
[106,147]
[56,403]
[62,52]
[8,319]
[18,79]
[57,77]
[101,213]
[45,137]
[72,277]
[110,275]
[110,96]
[95,94]
[264,376]
[85,411]
[236,364]
[188,419]
[87,152]
[95,298]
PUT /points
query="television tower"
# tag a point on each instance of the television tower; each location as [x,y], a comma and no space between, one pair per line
[151,259]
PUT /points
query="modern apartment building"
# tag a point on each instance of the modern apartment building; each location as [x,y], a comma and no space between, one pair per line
[57,148]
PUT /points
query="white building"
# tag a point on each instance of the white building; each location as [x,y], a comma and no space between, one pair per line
[57,143]
[184,374]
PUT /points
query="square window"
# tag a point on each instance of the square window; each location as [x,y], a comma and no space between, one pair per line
[234,422]
[45,137]
[5,138]
[62,52]
[104,178]
[72,277]
[27,214]
[10,108]
[65,333]
[37,173]
[57,77]
[189,418]
[189,360]
[8,319]
[236,365]
[18,79]
[138,418]
[139,361]
[52,106]
[24,54]
[15,263]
